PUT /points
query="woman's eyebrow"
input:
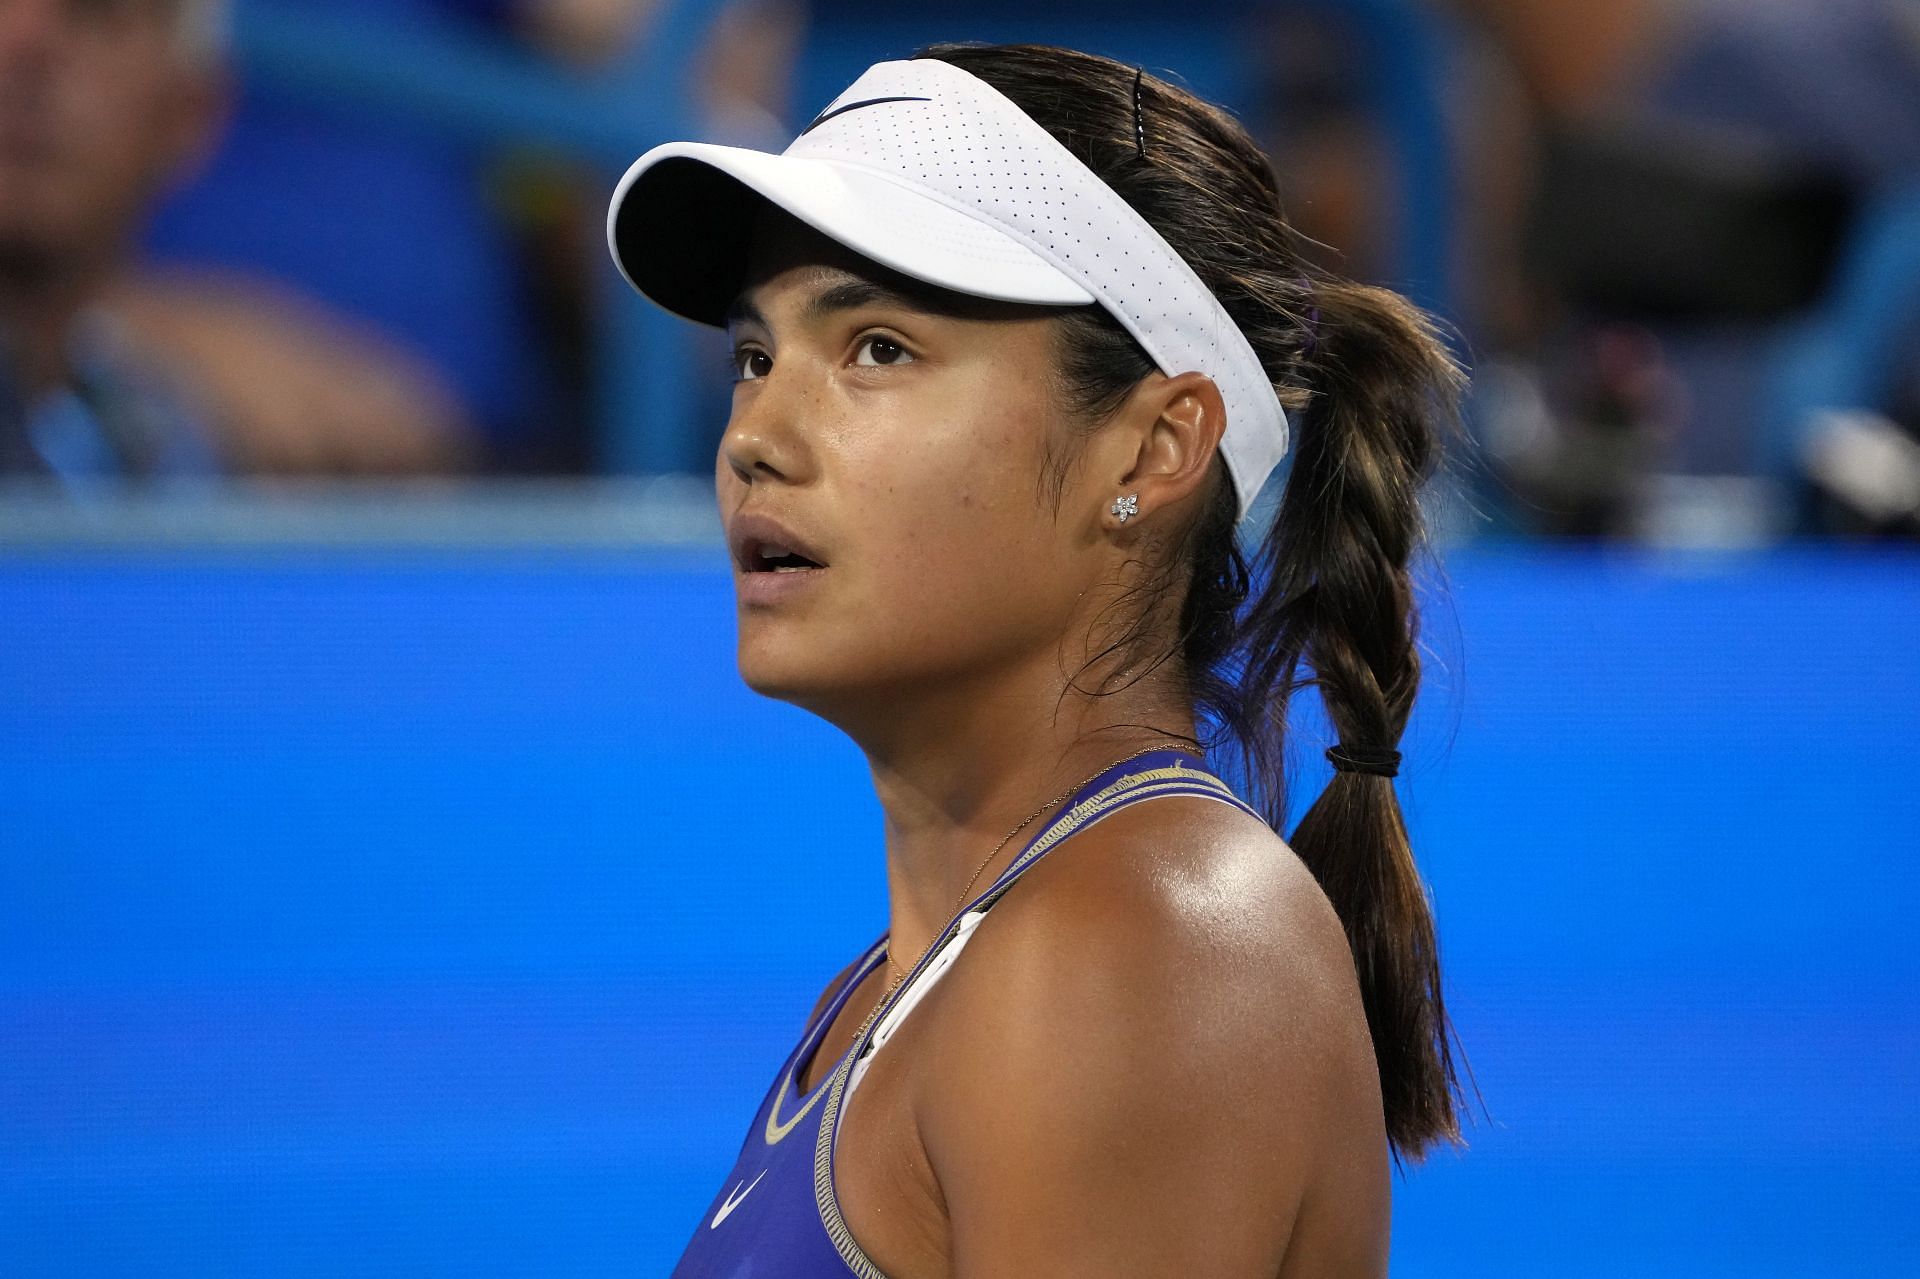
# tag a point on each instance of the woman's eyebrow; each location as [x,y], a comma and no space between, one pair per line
[851,294]
[742,311]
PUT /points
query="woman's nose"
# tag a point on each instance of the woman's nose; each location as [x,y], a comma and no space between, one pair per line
[747,452]
[765,438]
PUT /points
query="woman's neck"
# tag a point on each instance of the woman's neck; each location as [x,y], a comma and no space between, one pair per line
[959,770]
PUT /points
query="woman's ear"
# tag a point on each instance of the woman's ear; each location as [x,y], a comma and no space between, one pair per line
[1172,434]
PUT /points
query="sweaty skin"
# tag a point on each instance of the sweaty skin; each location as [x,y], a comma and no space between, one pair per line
[1152,1060]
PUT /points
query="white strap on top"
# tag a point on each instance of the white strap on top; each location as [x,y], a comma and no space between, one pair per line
[910,998]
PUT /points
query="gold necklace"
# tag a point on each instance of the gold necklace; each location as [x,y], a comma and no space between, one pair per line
[1006,839]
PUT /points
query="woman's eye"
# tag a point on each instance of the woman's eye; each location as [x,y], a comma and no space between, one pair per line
[750,364]
[878,350]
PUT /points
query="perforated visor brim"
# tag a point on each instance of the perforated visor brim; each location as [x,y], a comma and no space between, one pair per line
[682,224]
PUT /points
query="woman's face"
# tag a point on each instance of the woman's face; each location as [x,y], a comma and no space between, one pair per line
[893,439]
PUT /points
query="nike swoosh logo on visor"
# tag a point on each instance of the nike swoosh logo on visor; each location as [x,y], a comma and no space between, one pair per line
[730,1203]
[825,116]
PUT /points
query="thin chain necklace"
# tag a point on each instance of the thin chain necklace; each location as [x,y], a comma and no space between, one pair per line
[1006,839]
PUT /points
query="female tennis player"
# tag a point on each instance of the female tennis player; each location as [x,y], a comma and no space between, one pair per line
[1016,334]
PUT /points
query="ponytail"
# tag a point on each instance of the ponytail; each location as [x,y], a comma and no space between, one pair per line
[1334,608]
[1327,600]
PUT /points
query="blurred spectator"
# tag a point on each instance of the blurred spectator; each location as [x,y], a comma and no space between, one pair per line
[1840,78]
[481,258]
[379,219]
[99,105]
[294,388]
[1686,180]
[586,32]
[103,105]
[747,72]
[1650,192]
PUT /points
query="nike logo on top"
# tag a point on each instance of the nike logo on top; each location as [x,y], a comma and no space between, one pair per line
[734,1199]
[827,115]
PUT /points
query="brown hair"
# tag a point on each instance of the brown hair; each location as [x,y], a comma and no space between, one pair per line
[1326,601]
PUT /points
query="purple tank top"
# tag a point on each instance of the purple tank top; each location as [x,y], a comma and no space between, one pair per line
[776,1215]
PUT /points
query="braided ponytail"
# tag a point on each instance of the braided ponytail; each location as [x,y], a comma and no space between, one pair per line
[1337,600]
[1327,600]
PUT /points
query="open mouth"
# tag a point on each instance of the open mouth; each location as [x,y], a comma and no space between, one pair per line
[771,557]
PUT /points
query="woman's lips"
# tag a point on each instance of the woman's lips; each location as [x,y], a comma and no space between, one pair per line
[763,545]
[772,564]
[766,589]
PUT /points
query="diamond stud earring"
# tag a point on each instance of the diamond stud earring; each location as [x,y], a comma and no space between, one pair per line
[1125,508]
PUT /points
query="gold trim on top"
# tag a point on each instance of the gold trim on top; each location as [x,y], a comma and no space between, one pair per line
[776,1131]
[1146,784]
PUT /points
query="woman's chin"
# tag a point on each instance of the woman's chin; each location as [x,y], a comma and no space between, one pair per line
[786,675]
[843,690]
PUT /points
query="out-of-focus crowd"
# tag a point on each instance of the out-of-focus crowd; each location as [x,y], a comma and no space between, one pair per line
[1662,208]
[203,276]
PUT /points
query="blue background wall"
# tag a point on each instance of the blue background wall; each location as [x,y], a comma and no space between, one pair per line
[447,913]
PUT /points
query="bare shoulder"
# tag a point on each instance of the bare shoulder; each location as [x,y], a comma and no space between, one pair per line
[1171,982]
[1190,915]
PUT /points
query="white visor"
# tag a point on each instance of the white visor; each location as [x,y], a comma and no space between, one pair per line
[933,173]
